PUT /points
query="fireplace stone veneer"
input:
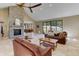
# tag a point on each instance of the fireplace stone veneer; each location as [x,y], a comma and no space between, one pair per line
[16,13]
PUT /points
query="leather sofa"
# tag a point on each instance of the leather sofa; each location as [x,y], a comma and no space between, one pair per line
[25,48]
[61,37]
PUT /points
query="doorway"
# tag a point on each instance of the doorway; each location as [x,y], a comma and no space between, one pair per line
[1,29]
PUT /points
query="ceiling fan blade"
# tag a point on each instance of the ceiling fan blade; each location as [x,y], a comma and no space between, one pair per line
[36,5]
[31,10]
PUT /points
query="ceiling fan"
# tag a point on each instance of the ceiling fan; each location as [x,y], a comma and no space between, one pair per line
[30,7]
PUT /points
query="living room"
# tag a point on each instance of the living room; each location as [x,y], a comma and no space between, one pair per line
[33,24]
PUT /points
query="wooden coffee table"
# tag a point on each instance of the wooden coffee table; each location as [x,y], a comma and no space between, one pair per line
[52,42]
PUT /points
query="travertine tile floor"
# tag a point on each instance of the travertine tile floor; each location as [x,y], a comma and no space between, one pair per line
[6,47]
[70,49]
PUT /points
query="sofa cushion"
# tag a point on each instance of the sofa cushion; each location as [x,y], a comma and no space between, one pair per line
[32,47]
[45,51]
[22,50]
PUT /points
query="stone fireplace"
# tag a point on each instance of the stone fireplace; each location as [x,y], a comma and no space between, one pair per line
[16,22]
[16,31]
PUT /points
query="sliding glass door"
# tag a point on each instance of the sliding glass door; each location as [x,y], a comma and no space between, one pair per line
[46,27]
[59,25]
[53,25]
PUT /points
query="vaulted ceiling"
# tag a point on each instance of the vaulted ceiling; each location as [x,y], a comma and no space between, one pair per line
[54,10]
[50,10]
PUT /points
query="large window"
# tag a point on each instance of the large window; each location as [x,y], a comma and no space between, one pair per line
[55,25]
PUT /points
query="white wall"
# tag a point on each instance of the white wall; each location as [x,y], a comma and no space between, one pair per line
[4,18]
[71,25]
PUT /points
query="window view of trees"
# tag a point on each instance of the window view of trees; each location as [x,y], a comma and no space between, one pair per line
[55,25]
